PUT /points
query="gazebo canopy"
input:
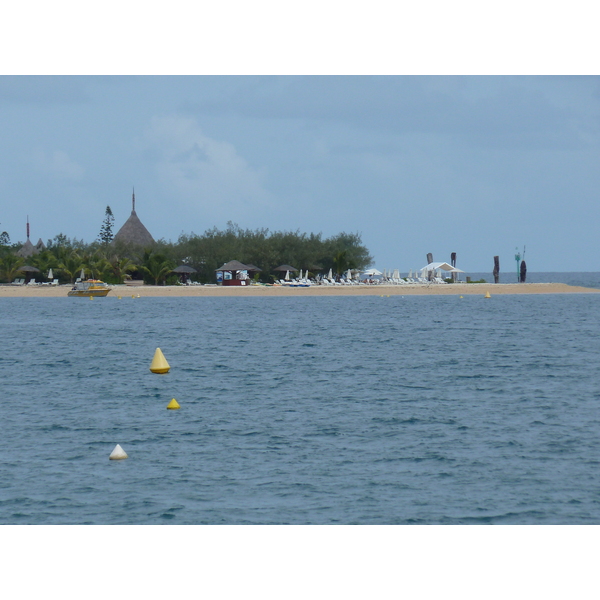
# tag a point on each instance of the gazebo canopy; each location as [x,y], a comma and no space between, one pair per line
[233,265]
[444,266]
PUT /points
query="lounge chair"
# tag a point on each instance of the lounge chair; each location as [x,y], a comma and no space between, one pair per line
[18,282]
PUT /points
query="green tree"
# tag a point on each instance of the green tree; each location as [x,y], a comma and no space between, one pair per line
[10,265]
[71,265]
[119,267]
[106,232]
[156,266]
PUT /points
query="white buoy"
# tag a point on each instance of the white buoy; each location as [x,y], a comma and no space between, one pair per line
[118,453]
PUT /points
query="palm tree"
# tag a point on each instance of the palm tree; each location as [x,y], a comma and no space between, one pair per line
[10,265]
[121,266]
[157,266]
[71,265]
[97,264]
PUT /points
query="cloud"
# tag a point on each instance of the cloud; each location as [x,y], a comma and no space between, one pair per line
[194,167]
[57,164]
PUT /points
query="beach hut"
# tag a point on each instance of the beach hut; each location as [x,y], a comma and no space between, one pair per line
[184,272]
[233,273]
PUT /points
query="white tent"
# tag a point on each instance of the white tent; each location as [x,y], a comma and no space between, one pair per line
[441,265]
[372,272]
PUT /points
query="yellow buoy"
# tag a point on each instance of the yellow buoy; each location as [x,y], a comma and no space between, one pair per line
[132,296]
[118,453]
[461,296]
[159,363]
[487,295]
[119,297]
[173,404]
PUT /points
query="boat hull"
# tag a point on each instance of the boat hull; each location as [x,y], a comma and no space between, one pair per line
[85,294]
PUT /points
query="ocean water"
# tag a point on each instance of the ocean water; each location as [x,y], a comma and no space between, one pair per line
[332,410]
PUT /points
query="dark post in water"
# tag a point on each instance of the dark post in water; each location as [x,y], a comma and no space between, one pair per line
[453,263]
[496,269]
[523,272]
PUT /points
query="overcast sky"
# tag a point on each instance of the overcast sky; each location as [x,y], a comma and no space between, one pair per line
[473,165]
[477,165]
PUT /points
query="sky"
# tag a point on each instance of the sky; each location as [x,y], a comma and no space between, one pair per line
[477,165]
[429,128]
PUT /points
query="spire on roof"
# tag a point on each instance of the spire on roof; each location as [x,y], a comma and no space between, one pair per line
[133,230]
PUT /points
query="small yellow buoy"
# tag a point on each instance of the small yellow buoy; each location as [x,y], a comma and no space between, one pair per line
[487,295]
[138,295]
[91,297]
[159,363]
[118,453]
[173,404]
[119,297]
[132,296]
[461,296]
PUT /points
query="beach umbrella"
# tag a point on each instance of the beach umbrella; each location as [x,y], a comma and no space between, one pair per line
[253,268]
[82,275]
[287,276]
[184,269]
[300,276]
[285,268]
[50,274]
[410,274]
[330,275]
[349,275]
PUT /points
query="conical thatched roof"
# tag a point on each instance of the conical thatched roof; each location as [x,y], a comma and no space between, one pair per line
[133,231]
[27,249]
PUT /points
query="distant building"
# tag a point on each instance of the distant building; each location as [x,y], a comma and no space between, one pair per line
[133,231]
[28,249]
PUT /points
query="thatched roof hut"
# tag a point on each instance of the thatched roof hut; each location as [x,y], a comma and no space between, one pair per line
[133,231]
[233,265]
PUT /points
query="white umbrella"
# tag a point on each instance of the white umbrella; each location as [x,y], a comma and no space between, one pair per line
[410,274]
[349,275]
[82,275]
[330,276]
[396,274]
[373,272]
[287,276]
[300,274]
[50,274]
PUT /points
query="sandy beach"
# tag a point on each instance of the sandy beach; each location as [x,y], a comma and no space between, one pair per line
[460,289]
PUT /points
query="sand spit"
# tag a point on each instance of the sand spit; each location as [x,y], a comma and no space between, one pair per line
[460,289]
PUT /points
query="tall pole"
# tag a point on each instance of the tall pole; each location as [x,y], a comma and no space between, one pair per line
[518,259]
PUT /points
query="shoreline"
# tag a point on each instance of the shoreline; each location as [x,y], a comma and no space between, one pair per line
[451,289]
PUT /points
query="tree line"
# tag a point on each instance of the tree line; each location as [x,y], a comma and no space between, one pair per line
[114,262]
